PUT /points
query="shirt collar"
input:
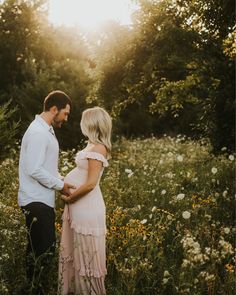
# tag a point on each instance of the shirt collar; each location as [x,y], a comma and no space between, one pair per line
[40,120]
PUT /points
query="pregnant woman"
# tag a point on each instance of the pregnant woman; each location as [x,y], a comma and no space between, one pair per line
[82,260]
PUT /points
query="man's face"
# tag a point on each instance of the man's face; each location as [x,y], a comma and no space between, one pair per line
[61,117]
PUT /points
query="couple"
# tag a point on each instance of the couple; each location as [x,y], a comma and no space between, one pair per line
[82,258]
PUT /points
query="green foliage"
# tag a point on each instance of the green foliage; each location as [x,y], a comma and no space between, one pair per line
[8,130]
[172,70]
[177,65]
[36,58]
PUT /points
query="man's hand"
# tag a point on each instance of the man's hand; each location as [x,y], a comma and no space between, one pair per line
[66,189]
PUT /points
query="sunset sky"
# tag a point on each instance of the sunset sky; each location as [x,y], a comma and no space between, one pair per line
[90,13]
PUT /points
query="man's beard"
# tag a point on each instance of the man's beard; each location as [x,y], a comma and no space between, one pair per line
[56,123]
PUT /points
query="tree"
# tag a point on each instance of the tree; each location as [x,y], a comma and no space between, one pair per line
[36,58]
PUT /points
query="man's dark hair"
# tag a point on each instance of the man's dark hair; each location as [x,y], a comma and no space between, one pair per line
[56,98]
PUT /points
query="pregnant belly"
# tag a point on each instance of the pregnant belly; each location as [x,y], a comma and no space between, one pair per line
[93,200]
[76,177]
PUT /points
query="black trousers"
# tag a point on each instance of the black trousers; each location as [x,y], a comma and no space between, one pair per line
[40,222]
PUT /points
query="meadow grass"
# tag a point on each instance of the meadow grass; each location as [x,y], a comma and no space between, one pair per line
[170,219]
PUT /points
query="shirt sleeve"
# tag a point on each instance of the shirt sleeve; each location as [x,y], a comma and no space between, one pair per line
[35,155]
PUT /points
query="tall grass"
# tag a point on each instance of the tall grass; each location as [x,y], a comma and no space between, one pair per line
[170,219]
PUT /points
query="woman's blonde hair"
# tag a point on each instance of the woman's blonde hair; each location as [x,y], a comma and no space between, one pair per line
[96,124]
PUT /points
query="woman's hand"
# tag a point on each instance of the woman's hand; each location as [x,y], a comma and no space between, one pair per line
[67,199]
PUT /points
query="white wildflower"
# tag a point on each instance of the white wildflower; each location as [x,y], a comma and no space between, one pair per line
[225,193]
[163,192]
[180,196]
[226,230]
[143,221]
[226,248]
[130,174]
[186,215]
[65,168]
[180,158]
[166,273]
[128,171]
[231,157]
[153,191]
[165,281]
[186,263]
[208,250]
[214,170]
[154,208]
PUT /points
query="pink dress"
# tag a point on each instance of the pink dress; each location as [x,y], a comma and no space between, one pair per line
[82,259]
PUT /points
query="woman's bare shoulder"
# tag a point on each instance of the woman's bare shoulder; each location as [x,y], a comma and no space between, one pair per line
[99,148]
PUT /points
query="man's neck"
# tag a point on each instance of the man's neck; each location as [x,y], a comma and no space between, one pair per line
[46,116]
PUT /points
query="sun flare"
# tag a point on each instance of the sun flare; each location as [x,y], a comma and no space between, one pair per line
[90,13]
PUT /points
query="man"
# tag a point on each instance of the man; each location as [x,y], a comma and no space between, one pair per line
[39,178]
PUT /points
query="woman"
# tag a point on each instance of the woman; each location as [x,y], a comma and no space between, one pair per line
[82,261]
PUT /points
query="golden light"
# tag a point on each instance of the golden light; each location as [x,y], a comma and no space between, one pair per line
[90,14]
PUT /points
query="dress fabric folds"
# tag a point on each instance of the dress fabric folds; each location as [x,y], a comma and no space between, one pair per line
[82,258]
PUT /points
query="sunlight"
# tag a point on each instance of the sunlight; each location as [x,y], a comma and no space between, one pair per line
[90,13]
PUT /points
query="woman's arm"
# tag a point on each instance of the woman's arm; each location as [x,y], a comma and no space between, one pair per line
[94,169]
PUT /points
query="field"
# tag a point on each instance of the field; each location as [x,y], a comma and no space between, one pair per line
[170,219]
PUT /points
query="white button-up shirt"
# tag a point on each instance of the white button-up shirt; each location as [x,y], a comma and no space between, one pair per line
[38,165]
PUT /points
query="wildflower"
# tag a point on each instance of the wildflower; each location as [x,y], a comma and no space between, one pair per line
[65,168]
[34,219]
[231,157]
[214,170]
[154,208]
[165,280]
[226,248]
[169,217]
[150,216]
[180,158]
[130,174]
[224,149]
[153,191]
[143,221]
[225,193]
[226,230]
[163,192]
[166,273]
[128,171]
[180,196]
[229,267]
[186,215]
[186,263]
